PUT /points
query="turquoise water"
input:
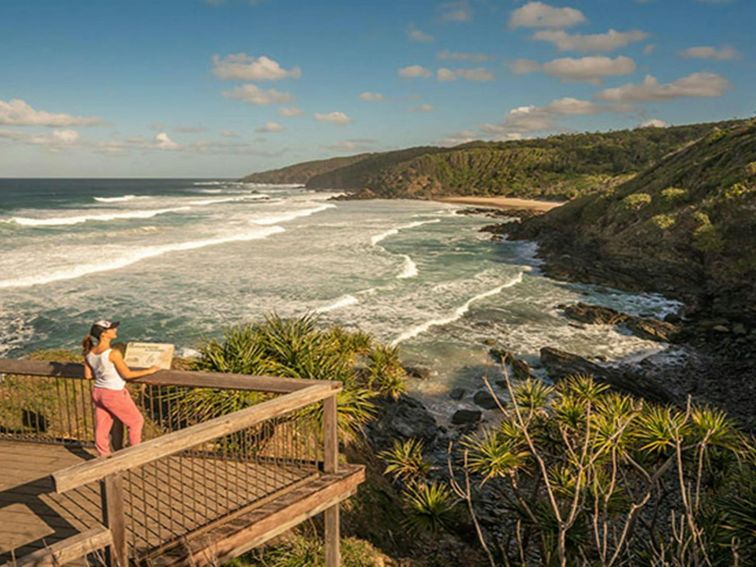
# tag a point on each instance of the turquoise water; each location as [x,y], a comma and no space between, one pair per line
[179,260]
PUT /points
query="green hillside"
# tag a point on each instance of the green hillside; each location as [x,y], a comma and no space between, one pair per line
[302,172]
[557,167]
[686,225]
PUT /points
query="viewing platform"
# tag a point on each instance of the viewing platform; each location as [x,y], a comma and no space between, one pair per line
[209,483]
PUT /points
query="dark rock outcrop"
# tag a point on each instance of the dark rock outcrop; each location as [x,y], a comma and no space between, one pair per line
[466,417]
[560,364]
[418,372]
[645,328]
[457,393]
[402,419]
[485,400]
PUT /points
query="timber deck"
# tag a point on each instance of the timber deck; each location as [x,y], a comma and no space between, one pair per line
[198,491]
[34,517]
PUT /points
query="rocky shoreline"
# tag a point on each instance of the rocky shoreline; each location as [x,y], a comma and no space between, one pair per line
[706,358]
[711,357]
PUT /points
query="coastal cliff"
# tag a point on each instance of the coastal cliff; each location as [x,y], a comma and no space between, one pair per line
[685,227]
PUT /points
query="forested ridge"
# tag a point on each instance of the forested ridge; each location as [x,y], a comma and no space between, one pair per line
[557,167]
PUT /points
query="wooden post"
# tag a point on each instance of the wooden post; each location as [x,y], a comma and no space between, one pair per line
[114,518]
[331,465]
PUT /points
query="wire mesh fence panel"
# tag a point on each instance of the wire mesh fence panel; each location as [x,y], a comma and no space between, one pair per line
[174,496]
[46,409]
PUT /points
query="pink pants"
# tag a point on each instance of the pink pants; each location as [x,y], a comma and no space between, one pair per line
[110,404]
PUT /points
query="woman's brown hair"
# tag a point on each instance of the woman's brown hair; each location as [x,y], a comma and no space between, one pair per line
[87,344]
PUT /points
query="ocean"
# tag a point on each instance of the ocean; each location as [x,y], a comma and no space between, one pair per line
[180,260]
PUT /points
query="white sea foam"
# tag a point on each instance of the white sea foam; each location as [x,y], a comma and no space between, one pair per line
[102,217]
[409,268]
[275,185]
[137,255]
[286,217]
[391,232]
[210,183]
[203,202]
[209,191]
[118,199]
[456,314]
[343,301]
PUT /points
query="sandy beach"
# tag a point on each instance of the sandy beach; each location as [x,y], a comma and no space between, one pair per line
[504,203]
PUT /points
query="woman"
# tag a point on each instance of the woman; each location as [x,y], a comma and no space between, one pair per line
[110,397]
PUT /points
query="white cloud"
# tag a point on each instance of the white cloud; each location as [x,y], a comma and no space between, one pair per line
[694,85]
[526,120]
[447,55]
[333,117]
[419,36]
[540,15]
[353,145]
[164,142]
[653,123]
[289,111]
[446,75]
[243,67]
[270,127]
[649,49]
[478,74]
[423,108]
[724,53]
[229,134]
[608,41]
[582,70]
[456,12]
[459,138]
[253,94]
[17,112]
[57,140]
[367,96]
[415,72]
[65,136]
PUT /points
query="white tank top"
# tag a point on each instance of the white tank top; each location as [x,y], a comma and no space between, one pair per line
[105,373]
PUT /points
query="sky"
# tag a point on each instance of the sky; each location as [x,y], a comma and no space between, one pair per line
[222,88]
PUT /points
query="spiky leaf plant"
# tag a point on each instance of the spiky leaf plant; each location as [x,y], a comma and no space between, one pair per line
[430,507]
[295,348]
[495,454]
[385,371]
[405,460]
[659,429]
[532,394]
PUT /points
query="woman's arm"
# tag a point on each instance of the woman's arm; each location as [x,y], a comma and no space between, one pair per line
[127,373]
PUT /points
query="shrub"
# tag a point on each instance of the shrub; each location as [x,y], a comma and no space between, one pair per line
[589,473]
[674,194]
[736,191]
[636,201]
[294,348]
[386,375]
[405,460]
[663,221]
[309,551]
[706,237]
[430,507]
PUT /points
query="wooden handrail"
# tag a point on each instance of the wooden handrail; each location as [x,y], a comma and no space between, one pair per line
[219,380]
[177,441]
[67,550]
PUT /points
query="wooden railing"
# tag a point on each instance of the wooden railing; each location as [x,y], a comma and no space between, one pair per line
[193,470]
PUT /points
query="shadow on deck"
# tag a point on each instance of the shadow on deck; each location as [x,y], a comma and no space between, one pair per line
[198,494]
